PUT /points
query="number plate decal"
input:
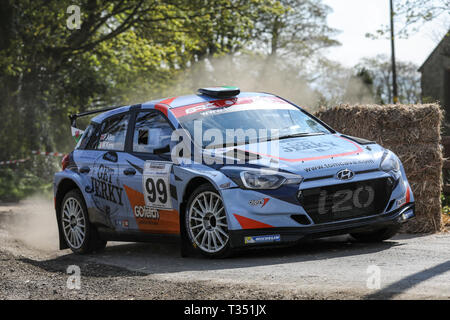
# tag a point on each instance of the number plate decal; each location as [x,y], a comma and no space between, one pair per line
[156,184]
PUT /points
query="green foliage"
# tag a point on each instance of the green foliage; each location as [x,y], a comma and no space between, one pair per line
[411,15]
[125,52]
[293,27]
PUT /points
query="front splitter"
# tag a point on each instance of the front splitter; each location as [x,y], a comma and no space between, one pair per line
[275,236]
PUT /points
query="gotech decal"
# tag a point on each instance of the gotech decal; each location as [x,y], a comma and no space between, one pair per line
[168,220]
[259,202]
[147,214]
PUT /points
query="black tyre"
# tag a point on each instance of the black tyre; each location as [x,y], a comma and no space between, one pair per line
[206,223]
[79,234]
[377,235]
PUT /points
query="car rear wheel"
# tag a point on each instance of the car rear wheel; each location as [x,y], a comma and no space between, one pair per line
[80,235]
[377,235]
[206,223]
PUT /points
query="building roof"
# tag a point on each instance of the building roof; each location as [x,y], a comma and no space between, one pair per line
[441,43]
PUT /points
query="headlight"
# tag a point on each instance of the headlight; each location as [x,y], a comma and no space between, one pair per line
[389,162]
[252,178]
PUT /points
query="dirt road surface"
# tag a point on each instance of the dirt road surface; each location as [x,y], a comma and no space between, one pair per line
[31,267]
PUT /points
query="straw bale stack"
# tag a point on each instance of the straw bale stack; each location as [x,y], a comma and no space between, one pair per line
[413,133]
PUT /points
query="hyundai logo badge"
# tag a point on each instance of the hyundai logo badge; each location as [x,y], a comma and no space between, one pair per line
[345,174]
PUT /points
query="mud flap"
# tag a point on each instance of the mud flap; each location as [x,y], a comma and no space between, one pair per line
[186,249]
[62,242]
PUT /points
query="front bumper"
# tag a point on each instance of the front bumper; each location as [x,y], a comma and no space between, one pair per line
[273,236]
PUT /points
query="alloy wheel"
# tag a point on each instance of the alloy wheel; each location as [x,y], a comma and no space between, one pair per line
[74,223]
[207,222]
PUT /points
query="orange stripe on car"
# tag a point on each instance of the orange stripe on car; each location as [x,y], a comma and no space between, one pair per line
[247,223]
[169,220]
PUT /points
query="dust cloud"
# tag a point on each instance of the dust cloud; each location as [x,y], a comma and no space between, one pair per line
[249,73]
[32,222]
[307,82]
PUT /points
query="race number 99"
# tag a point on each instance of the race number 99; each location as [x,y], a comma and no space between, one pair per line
[156,184]
[156,190]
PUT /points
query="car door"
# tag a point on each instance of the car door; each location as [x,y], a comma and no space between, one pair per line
[104,172]
[150,190]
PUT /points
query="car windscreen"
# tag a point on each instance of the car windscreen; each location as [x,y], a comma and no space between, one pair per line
[267,118]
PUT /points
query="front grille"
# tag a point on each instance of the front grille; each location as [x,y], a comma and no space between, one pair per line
[346,201]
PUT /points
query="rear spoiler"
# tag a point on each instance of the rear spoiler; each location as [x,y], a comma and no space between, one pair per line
[77,133]
[73,117]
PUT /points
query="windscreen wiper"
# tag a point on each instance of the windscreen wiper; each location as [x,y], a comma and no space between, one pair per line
[265,139]
[298,135]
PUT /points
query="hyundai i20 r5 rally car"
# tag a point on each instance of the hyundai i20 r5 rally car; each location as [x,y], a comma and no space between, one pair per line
[222,170]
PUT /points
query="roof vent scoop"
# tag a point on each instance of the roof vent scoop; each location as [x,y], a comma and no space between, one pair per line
[220,92]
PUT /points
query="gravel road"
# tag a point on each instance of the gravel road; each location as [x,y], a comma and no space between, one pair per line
[31,267]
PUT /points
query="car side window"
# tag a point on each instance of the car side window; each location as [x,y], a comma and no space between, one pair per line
[113,133]
[91,142]
[87,135]
[152,133]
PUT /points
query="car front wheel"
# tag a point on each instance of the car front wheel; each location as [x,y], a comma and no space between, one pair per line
[206,223]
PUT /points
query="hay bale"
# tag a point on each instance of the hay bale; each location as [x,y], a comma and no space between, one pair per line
[413,133]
